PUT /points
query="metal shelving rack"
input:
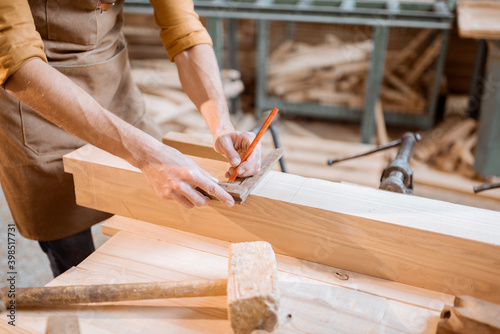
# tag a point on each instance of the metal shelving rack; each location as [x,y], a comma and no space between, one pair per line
[381,15]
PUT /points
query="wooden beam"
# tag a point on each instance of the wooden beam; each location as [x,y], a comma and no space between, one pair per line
[307,157]
[417,241]
[478,19]
[67,323]
[200,146]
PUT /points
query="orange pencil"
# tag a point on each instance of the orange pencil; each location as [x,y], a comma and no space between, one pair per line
[255,142]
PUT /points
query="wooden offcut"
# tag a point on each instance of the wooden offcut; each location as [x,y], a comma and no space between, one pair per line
[333,73]
[193,145]
[417,241]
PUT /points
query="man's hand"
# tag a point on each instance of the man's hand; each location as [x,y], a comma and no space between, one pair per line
[62,102]
[176,177]
[233,145]
[200,78]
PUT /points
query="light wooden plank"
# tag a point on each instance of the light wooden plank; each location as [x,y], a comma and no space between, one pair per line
[479,19]
[435,245]
[286,264]
[67,324]
[307,157]
[6,328]
[313,306]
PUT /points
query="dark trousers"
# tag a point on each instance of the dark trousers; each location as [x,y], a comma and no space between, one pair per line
[68,252]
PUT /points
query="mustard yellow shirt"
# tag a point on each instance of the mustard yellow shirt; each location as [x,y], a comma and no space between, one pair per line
[19,41]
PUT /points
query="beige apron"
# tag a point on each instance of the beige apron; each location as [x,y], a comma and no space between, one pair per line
[86,45]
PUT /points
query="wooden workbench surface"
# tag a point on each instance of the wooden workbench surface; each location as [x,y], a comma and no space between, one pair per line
[315,298]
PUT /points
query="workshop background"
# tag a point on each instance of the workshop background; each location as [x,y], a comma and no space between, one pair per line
[430,80]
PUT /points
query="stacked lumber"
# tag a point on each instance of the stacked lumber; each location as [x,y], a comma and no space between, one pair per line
[335,72]
[164,97]
[450,146]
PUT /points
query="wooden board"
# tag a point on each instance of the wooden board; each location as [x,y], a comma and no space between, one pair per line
[316,300]
[307,157]
[435,245]
[340,277]
[479,19]
[200,146]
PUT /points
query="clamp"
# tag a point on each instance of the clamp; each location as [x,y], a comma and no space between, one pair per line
[398,175]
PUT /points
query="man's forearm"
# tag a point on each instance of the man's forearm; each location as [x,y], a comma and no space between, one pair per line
[53,95]
[67,105]
[200,78]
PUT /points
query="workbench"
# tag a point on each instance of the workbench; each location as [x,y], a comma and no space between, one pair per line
[314,298]
[351,259]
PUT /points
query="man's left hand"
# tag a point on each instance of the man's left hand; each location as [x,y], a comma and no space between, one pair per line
[233,145]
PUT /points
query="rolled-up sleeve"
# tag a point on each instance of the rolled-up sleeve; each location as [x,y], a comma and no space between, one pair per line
[180,25]
[19,40]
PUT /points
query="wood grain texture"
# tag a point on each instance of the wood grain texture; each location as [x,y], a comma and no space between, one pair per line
[470,315]
[307,157]
[435,245]
[354,281]
[314,304]
[193,145]
[478,19]
[327,56]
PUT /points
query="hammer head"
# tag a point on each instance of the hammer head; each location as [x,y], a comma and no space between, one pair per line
[252,291]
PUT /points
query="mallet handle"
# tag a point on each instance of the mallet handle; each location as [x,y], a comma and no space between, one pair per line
[76,294]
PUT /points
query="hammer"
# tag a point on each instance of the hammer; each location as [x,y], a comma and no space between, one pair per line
[251,289]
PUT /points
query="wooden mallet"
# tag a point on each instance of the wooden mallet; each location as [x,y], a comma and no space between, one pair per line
[251,289]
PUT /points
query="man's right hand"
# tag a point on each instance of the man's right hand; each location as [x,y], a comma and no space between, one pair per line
[176,177]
